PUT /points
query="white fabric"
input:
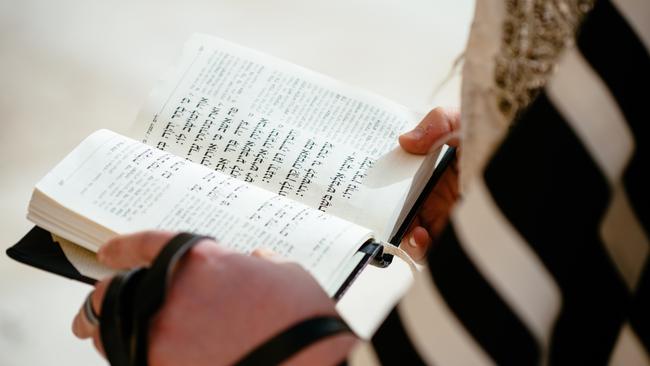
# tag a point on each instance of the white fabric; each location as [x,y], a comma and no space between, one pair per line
[636,12]
[628,350]
[628,247]
[435,332]
[587,105]
[585,102]
[506,261]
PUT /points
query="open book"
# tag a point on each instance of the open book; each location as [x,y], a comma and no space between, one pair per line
[251,150]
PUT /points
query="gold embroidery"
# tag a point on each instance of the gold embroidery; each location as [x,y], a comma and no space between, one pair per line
[534,34]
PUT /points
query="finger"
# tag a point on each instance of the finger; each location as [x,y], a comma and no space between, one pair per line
[437,216]
[417,243]
[97,342]
[448,185]
[414,223]
[81,326]
[134,250]
[441,200]
[437,124]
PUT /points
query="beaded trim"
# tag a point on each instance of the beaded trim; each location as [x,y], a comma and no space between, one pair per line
[534,34]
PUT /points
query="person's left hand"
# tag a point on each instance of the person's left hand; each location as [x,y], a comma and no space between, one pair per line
[221,304]
[436,128]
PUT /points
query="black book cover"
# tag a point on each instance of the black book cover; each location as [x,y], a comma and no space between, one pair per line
[37,249]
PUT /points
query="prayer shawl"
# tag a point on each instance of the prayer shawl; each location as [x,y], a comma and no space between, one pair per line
[545,260]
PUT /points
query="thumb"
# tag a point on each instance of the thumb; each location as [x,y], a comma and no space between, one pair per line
[437,124]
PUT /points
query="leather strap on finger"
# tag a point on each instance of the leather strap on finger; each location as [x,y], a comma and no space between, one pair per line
[132,298]
[116,317]
[153,288]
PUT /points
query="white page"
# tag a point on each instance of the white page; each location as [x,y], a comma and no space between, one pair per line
[84,260]
[126,186]
[285,129]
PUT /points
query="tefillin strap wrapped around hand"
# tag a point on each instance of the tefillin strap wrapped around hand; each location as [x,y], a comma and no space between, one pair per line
[134,297]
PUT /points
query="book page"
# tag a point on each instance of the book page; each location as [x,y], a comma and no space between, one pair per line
[84,260]
[283,128]
[125,186]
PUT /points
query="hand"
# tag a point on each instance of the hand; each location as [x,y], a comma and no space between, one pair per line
[221,304]
[434,129]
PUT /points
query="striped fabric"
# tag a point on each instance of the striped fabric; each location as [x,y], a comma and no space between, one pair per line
[546,258]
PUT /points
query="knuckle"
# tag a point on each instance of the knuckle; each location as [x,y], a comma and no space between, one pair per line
[201,253]
[115,247]
[109,247]
[436,117]
[149,244]
[146,238]
[438,113]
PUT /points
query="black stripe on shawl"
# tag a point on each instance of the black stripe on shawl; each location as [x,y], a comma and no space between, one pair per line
[392,344]
[478,307]
[554,195]
[614,51]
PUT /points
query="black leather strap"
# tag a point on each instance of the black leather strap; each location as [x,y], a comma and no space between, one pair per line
[132,298]
[116,316]
[153,288]
[294,339]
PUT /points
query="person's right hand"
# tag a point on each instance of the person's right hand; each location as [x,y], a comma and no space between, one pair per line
[434,129]
[221,304]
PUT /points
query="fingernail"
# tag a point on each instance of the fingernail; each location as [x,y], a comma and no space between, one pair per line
[414,134]
[412,241]
[264,253]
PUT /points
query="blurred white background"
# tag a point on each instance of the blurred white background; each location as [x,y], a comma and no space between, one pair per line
[69,67]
